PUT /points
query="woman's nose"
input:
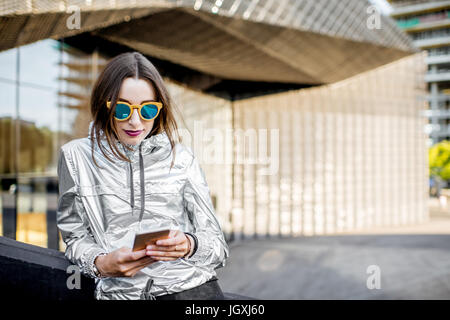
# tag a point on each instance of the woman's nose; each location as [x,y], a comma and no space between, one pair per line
[135,119]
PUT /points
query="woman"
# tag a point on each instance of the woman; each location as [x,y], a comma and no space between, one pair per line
[132,175]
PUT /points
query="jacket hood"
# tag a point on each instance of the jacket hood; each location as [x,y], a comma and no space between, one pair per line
[158,143]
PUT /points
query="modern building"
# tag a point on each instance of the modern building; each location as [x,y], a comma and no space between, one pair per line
[307,116]
[428,24]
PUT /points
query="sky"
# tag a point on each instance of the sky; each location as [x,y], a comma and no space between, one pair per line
[383,5]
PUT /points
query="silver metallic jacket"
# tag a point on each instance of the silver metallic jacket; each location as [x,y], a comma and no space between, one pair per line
[101,209]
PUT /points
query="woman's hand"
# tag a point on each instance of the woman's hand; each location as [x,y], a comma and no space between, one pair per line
[122,262]
[176,246]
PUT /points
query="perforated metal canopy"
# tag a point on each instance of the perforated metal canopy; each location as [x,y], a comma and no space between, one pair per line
[296,41]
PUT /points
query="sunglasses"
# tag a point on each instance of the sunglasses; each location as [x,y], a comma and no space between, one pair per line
[147,111]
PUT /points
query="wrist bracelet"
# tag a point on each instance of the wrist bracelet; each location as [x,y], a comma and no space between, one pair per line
[189,246]
[95,270]
[195,242]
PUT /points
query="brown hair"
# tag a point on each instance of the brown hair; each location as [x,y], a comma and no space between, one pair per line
[107,87]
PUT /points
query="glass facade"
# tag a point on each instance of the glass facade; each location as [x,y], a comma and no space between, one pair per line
[351,156]
[330,159]
[44,95]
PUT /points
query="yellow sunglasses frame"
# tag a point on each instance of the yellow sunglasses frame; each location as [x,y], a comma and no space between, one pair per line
[159,105]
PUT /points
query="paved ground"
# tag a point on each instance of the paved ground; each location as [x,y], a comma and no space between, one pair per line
[414,263]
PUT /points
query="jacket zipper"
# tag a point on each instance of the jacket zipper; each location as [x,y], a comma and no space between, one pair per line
[132,187]
[141,173]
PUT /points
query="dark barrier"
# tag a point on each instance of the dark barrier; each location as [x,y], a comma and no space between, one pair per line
[32,272]
[9,209]
[52,206]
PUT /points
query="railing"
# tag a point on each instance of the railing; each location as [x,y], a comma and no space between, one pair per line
[437,113]
[429,43]
[442,75]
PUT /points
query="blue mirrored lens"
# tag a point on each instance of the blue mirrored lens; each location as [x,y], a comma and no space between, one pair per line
[122,111]
[149,111]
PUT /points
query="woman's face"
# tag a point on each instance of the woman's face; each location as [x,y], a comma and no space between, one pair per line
[135,91]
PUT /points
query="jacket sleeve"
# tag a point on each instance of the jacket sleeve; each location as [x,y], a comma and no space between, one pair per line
[212,248]
[81,247]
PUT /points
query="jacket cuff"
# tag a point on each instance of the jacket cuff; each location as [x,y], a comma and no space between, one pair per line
[202,250]
[89,259]
[194,237]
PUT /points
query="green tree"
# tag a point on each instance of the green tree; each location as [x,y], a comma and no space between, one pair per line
[439,159]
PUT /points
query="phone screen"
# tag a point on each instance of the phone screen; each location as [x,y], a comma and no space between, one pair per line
[142,240]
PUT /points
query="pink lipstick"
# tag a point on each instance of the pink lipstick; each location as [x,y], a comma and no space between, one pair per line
[133,133]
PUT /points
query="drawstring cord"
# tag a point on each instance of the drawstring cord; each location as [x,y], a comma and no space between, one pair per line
[142,178]
[141,171]
[146,295]
[132,187]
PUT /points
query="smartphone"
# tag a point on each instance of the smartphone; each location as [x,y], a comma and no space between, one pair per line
[142,240]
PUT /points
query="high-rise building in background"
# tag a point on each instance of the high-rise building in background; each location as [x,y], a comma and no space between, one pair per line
[428,23]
